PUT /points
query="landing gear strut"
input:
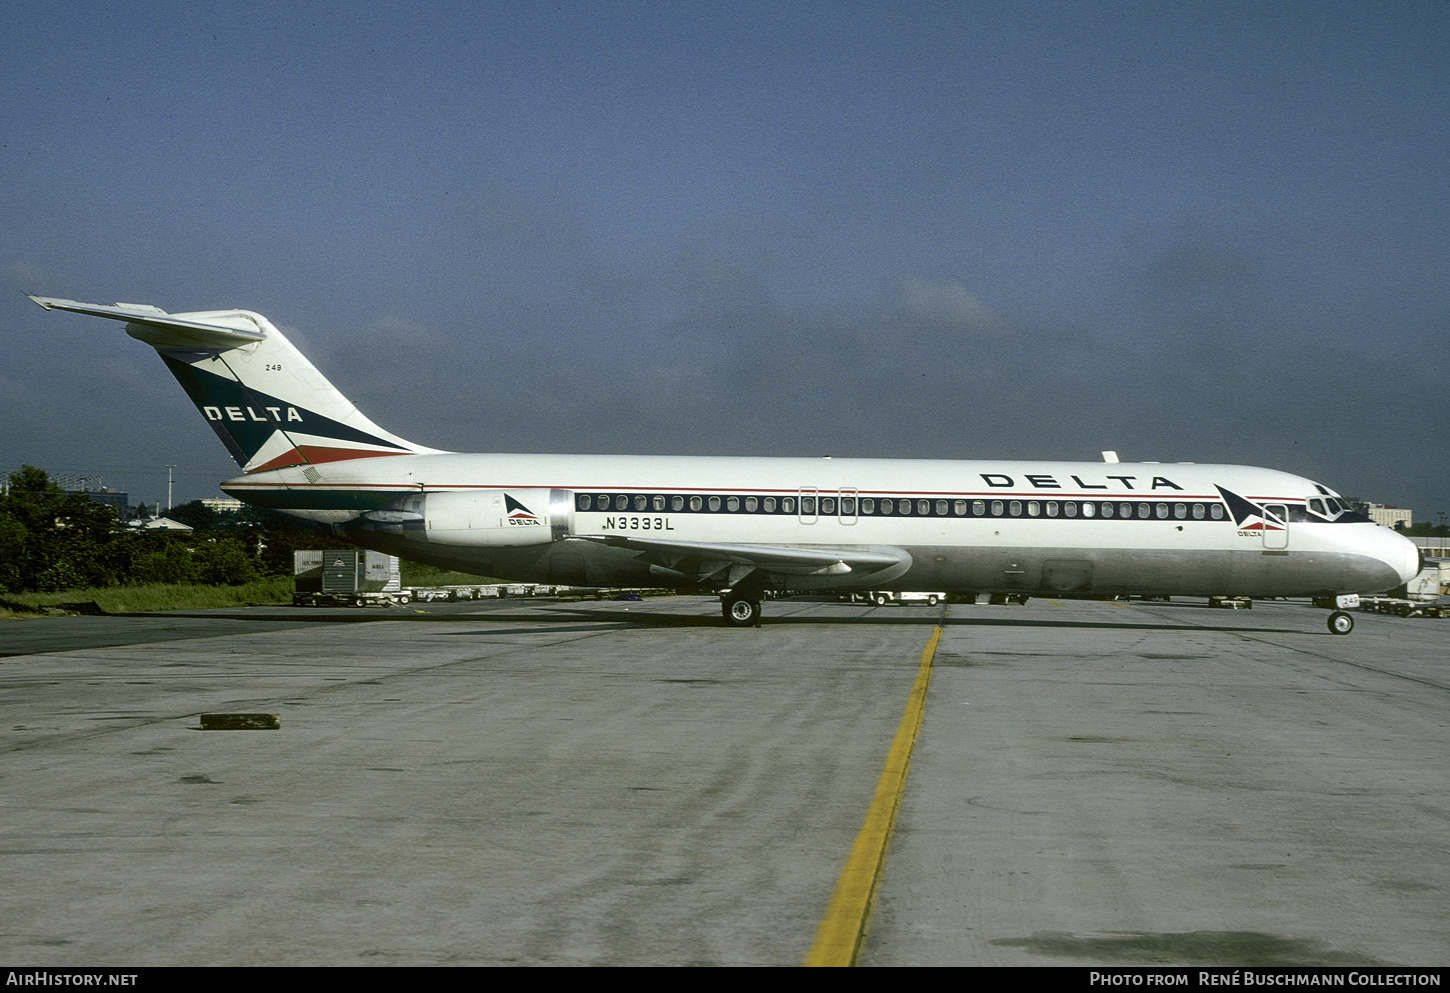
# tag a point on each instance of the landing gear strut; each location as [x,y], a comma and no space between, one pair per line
[740,611]
[1340,622]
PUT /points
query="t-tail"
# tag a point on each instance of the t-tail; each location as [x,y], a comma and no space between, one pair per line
[266,402]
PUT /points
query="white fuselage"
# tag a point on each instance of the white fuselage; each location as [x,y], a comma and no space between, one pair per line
[750,525]
[1060,528]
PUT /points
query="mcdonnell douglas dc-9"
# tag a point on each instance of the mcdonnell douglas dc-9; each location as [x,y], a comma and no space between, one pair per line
[748,527]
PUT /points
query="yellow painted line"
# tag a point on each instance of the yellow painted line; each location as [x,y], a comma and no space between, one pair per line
[839,937]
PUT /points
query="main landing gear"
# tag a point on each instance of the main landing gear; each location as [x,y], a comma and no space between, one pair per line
[1340,622]
[740,611]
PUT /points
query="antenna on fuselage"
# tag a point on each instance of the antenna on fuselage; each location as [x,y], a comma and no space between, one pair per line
[1110,456]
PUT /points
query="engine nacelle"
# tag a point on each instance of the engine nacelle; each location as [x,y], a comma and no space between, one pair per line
[498,518]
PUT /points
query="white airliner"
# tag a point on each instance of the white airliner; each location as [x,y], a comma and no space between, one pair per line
[749,526]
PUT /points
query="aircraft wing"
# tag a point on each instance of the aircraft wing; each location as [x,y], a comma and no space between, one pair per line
[196,334]
[700,560]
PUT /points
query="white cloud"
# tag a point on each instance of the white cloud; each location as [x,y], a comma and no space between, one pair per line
[950,302]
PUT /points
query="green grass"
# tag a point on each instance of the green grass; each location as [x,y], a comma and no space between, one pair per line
[414,574]
[185,596]
[452,579]
[153,596]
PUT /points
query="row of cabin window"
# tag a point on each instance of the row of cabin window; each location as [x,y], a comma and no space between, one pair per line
[887,507]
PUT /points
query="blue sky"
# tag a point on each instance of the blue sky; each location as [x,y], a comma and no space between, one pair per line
[980,230]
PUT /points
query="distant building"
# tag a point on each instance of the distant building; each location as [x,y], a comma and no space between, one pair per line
[111,498]
[222,505]
[1435,548]
[1388,515]
[160,523]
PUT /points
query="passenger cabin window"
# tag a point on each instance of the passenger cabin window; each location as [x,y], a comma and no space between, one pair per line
[848,505]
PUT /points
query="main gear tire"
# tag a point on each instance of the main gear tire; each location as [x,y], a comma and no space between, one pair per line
[740,612]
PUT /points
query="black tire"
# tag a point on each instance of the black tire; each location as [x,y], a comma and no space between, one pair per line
[740,612]
[1340,622]
[932,601]
[881,599]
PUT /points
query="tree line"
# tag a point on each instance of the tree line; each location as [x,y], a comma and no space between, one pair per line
[51,541]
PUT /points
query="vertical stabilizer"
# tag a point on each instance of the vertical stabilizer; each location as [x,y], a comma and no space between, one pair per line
[267,403]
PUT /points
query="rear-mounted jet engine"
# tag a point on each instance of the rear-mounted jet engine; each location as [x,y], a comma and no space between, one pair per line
[483,518]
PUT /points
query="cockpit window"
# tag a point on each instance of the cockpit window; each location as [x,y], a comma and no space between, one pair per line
[1330,507]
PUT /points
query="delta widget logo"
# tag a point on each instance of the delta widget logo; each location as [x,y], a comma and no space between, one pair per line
[519,515]
[1251,520]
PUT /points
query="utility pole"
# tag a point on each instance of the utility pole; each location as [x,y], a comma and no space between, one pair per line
[168,486]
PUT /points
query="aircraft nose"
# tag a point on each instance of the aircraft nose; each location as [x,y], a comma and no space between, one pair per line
[1383,560]
[1405,557]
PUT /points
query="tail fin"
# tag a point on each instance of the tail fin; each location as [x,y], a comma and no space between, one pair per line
[267,403]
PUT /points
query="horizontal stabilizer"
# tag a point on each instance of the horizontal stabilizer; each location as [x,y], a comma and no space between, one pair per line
[182,332]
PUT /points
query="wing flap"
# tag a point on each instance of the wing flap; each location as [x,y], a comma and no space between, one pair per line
[705,559]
